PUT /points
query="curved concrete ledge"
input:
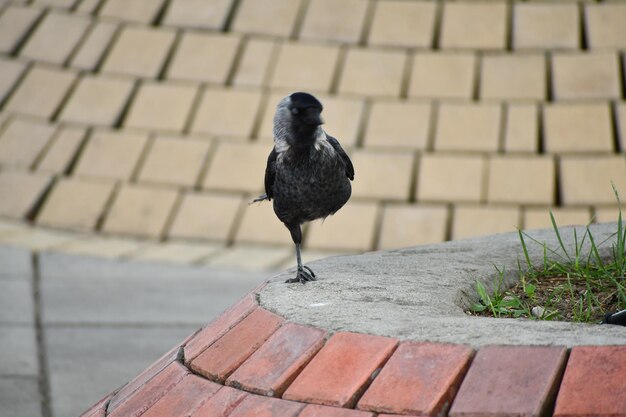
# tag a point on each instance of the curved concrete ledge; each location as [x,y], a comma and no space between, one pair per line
[421,293]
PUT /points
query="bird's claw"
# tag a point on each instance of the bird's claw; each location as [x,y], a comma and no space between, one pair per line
[303,275]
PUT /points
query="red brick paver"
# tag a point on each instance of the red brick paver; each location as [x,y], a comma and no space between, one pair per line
[221,404]
[314,410]
[594,383]
[257,406]
[185,398]
[341,370]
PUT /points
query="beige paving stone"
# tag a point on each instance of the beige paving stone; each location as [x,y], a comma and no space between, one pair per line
[513,76]
[253,16]
[104,247]
[402,23]
[468,127]
[139,51]
[586,76]
[174,161]
[176,252]
[97,100]
[62,150]
[87,6]
[41,91]
[605,25]
[373,72]
[382,175]
[206,216]
[56,3]
[620,114]
[546,26]
[305,67]
[450,178]
[93,47]
[10,72]
[606,214]
[352,228]
[237,167]
[227,112]
[587,179]
[470,221]
[252,258]
[204,57]
[209,14]
[442,75]
[11,226]
[480,25]
[337,21]
[75,204]
[21,191]
[144,11]
[140,211]
[522,128]
[15,22]
[521,179]
[161,106]
[260,225]
[23,141]
[398,124]
[410,225]
[578,127]
[110,154]
[36,239]
[56,36]
[539,218]
[253,67]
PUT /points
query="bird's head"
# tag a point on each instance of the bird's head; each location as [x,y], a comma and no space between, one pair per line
[297,119]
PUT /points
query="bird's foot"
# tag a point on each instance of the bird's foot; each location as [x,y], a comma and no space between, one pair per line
[303,275]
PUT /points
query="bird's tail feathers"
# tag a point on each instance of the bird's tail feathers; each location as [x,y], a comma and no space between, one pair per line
[259,199]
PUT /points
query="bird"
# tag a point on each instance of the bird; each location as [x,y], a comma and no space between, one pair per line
[308,173]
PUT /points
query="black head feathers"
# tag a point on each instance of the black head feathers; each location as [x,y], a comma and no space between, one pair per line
[305,100]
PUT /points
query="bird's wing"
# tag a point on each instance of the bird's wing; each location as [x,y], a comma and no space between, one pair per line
[270,174]
[346,159]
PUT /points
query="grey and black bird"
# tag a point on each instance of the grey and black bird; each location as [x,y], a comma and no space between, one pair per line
[308,173]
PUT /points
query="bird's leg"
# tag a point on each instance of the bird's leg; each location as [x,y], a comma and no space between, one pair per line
[304,273]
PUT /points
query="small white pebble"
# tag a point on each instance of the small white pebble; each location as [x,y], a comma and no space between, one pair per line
[538,311]
[318,304]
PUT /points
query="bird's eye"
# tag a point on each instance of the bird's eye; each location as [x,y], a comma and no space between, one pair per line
[295,110]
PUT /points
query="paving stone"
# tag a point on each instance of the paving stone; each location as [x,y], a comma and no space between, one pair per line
[470,221]
[176,252]
[17,263]
[341,370]
[443,75]
[101,247]
[135,11]
[499,383]
[20,396]
[450,177]
[56,36]
[383,175]
[161,106]
[227,112]
[252,258]
[140,211]
[237,166]
[15,22]
[521,180]
[204,57]
[400,23]
[10,72]
[604,25]
[586,76]
[62,150]
[539,218]
[110,154]
[41,91]
[93,46]
[410,225]
[185,398]
[209,14]
[352,228]
[307,67]
[314,410]
[57,3]
[221,404]
[139,52]
[373,72]
[252,17]
[419,378]
[23,141]
[75,204]
[254,63]
[480,25]
[206,216]
[398,124]
[545,26]
[606,214]
[620,124]
[521,130]
[18,347]
[220,359]
[513,76]
[468,127]
[257,406]
[36,239]
[577,127]
[587,180]
[271,369]
[18,305]
[87,6]
[25,190]
[259,224]
[97,101]
[328,20]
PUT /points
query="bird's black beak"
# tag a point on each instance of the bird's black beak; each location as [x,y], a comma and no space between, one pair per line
[314,119]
